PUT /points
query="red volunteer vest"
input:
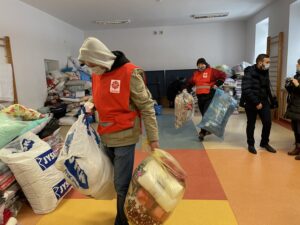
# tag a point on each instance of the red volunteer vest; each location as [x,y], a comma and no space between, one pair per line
[203,81]
[111,94]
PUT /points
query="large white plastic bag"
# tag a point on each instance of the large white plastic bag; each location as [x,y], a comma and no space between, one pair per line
[218,113]
[157,186]
[184,108]
[84,163]
[32,162]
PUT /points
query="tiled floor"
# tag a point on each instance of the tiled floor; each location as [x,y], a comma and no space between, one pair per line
[226,185]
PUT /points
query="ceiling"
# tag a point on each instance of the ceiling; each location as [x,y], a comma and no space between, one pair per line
[144,13]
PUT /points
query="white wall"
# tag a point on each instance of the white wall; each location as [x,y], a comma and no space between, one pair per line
[35,36]
[278,13]
[180,46]
[294,38]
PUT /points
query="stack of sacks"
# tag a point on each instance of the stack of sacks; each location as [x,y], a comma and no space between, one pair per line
[157,186]
[6,177]
[74,96]
[84,162]
[67,90]
[32,162]
[239,69]
[218,113]
[226,69]
[10,204]
[55,141]
[9,193]
[14,121]
[55,81]
[184,108]
[229,86]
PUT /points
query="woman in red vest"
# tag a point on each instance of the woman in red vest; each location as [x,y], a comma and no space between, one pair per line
[121,99]
[205,79]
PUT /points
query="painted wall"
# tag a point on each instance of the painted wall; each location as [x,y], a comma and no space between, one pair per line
[35,36]
[179,47]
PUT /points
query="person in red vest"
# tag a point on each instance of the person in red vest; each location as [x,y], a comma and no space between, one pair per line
[205,79]
[122,99]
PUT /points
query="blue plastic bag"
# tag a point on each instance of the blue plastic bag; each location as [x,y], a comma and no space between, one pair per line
[158,109]
[85,76]
[218,113]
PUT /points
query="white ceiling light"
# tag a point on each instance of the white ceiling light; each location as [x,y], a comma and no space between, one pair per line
[209,15]
[104,22]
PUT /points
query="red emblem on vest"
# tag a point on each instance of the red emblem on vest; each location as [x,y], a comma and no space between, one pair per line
[115,86]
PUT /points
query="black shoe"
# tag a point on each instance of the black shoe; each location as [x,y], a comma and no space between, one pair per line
[201,136]
[297,157]
[269,148]
[252,149]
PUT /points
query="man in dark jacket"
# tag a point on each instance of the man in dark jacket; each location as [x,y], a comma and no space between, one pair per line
[293,109]
[256,98]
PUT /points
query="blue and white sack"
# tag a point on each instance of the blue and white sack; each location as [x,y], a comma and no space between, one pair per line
[32,162]
[84,163]
[218,113]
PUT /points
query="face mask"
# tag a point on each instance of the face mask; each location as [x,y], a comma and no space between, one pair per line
[201,68]
[266,66]
[98,70]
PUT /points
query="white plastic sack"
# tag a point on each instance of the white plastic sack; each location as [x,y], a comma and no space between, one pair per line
[184,108]
[218,113]
[84,163]
[32,162]
[67,121]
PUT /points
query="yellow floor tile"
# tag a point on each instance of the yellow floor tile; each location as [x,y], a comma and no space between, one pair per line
[91,212]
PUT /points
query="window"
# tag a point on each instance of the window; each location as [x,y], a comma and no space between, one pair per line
[261,35]
[294,38]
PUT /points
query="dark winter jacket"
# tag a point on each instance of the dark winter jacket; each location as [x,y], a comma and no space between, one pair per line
[255,87]
[293,109]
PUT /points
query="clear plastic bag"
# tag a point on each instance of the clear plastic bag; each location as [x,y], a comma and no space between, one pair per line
[218,113]
[157,186]
[184,108]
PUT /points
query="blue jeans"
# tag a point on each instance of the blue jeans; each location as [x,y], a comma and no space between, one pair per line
[122,159]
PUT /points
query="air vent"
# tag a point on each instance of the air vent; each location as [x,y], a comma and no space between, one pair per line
[209,15]
[103,22]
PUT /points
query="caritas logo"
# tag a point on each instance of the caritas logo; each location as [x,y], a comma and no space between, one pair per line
[115,86]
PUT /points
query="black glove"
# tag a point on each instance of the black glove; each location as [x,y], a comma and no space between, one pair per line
[219,83]
[274,103]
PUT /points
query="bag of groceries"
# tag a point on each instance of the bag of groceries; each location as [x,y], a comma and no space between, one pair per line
[184,108]
[157,186]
